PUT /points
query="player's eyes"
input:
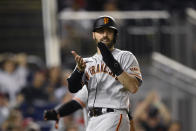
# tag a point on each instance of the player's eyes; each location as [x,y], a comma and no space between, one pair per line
[110,30]
[100,31]
[107,30]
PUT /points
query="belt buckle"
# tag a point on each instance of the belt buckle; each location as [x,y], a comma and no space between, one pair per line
[93,112]
[104,110]
[98,111]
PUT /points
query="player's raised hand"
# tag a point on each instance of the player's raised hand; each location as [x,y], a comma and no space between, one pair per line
[81,64]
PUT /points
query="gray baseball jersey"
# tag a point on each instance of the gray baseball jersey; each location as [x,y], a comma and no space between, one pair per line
[82,96]
[104,89]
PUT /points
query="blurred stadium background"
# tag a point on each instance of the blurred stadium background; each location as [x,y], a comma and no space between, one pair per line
[36,36]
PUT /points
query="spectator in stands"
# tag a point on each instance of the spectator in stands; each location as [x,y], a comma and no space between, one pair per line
[53,82]
[35,92]
[14,121]
[151,114]
[4,107]
[34,97]
[13,75]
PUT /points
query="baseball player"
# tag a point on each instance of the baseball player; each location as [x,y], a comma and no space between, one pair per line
[110,76]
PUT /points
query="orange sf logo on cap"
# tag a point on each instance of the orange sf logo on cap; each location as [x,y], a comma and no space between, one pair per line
[106,20]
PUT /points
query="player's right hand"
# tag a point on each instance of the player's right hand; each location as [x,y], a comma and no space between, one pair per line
[51,115]
[81,64]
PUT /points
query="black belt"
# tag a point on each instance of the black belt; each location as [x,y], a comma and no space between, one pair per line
[99,111]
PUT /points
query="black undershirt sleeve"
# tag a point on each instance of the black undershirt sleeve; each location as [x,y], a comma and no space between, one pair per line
[68,108]
[109,59]
[75,81]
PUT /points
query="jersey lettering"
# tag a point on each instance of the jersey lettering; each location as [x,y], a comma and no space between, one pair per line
[98,69]
[102,67]
[87,76]
[92,70]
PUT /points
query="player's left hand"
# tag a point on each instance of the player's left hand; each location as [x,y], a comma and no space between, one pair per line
[109,59]
[52,115]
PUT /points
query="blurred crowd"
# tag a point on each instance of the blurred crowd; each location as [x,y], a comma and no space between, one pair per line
[151,114]
[25,92]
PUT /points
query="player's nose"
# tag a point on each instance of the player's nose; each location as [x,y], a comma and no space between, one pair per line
[105,33]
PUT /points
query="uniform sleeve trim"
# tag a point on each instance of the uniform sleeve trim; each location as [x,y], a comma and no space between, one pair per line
[79,101]
[138,77]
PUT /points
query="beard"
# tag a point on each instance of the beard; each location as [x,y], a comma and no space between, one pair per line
[109,43]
